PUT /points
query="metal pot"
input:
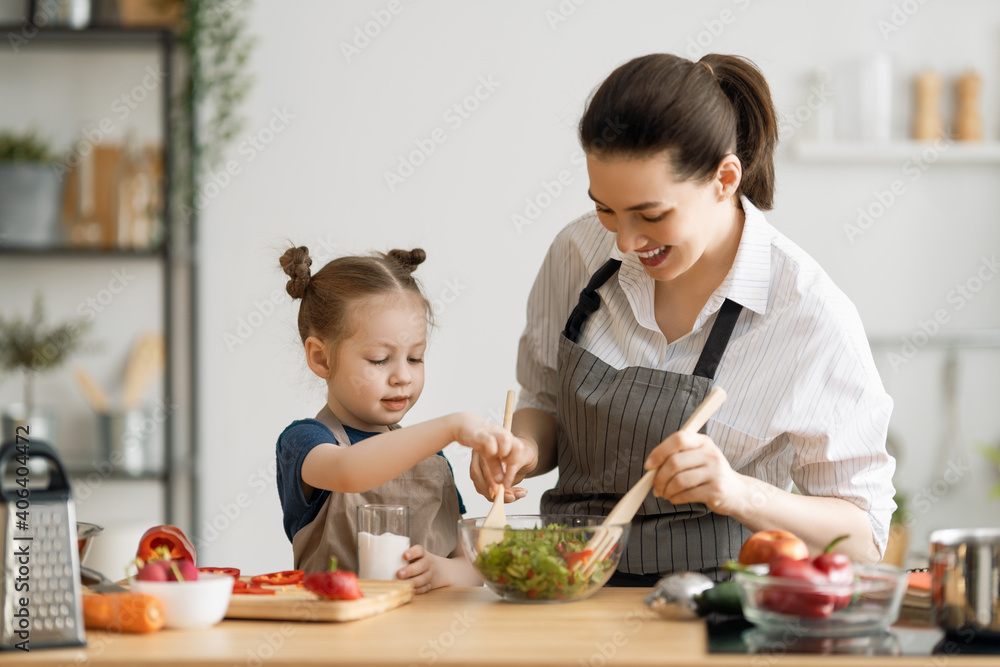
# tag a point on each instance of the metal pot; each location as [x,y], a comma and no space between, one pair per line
[965,580]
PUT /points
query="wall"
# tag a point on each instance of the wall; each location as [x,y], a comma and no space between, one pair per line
[324,128]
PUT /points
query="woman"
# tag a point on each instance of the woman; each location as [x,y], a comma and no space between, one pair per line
[675,283]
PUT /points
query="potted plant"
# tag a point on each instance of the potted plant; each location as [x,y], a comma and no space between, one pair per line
[28,346]
[30,191]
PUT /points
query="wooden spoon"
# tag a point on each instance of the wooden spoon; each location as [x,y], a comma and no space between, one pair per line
[605,539]
[492,529]
[145,362]
[95,395]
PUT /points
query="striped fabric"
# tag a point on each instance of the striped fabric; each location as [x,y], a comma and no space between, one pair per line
[806,404]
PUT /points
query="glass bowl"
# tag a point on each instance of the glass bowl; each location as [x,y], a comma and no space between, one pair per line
[190,605]
[781,605]
[534,563]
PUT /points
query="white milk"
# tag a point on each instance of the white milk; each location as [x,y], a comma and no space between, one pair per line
[381,556]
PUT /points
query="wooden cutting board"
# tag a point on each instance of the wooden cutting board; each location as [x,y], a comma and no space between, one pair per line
[292,603]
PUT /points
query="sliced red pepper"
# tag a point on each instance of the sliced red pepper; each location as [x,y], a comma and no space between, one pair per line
[170,538]
[232,571]
[578,558]
[284,578]
[241,586]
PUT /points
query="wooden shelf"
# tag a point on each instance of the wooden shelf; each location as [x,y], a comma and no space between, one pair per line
[78,253]
[950,152]
[97,34]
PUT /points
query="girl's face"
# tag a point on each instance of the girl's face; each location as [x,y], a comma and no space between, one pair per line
[378,373]
[668,224]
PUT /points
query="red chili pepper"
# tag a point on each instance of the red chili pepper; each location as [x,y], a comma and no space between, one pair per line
[170,538]
[233,571]
[284,578]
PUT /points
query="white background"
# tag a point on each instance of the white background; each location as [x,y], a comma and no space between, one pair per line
[320,181]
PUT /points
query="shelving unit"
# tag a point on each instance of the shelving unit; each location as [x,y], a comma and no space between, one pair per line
[175,258]
[846,152]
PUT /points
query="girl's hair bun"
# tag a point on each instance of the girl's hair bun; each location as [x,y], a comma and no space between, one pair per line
[296,262]
[408,259]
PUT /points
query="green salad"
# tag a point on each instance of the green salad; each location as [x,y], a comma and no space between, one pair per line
[540,564]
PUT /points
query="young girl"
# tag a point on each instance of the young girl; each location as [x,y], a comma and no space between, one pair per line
[677,281]
[363,321]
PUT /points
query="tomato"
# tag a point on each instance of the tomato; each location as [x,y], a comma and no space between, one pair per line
[168,537]
[234,571]
[285,578]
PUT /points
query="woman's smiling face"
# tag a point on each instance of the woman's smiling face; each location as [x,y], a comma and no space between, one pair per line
[667,223]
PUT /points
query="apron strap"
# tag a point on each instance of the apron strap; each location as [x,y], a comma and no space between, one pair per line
[589,300]
[718,339]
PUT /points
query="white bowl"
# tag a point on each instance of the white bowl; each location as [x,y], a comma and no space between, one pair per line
[189,605]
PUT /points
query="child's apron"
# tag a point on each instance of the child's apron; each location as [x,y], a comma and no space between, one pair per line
[609,421]
[428,488]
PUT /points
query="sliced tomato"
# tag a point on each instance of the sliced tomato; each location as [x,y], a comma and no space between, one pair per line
[284,578]
[168,537]
[233,571]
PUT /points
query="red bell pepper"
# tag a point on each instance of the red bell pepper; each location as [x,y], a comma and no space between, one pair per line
[232,571]
[284,578]
[838,569]
[797,599]
[170,538]
[241,587]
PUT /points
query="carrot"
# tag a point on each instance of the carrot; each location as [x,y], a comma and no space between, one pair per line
[123,612]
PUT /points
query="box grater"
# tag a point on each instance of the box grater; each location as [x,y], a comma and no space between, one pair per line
[40,589]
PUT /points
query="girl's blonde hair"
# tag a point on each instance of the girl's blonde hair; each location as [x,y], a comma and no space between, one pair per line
[327,297]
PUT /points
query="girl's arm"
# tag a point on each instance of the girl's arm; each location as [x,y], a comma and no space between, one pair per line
[380,458]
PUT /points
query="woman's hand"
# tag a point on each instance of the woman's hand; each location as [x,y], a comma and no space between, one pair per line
[424,570]
[692,469]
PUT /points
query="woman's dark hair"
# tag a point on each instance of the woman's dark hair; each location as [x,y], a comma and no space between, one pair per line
[328,295]
[697,112]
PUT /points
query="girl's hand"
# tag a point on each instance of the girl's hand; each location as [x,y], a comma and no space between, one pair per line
[516,467]
[692,469]
[499,454]
[424,570]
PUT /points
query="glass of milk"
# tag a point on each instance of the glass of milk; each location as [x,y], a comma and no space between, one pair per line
[383,536]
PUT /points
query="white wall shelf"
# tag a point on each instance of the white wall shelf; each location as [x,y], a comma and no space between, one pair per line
[856,152]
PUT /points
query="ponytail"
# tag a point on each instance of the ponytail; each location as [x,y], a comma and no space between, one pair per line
[756,124]
[697,113]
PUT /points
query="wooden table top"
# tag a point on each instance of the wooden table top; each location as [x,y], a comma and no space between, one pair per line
[450,626]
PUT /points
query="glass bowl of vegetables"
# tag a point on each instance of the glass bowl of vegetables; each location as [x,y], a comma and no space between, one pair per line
[798,607]
[543,557]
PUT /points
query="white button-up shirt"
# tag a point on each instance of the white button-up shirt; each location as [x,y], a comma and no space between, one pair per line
[806,404]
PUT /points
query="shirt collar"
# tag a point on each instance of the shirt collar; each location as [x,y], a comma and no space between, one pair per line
[746,283]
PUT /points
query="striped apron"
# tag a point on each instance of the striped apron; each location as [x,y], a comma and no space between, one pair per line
[609,421]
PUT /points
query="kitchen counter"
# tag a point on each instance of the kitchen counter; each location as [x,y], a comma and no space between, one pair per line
[451,626]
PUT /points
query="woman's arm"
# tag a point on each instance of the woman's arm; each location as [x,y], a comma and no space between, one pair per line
[692,469]
[380,458]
